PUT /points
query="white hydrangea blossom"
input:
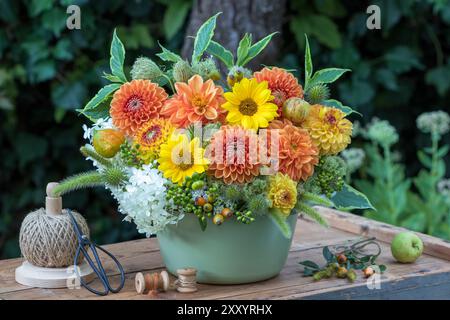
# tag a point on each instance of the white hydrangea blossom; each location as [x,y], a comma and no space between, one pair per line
[437,122]
[143,201]
[99,124]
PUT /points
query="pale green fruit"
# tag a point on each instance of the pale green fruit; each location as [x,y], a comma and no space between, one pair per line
[406,247]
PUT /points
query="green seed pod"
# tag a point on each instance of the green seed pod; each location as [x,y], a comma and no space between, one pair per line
[207,69]
[318,93]
[236,74]
[296,110]
[145,68]
[182,71]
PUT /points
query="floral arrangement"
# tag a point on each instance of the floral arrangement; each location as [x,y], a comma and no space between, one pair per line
[178,139]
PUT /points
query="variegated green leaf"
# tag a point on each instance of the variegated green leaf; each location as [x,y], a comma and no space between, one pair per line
[117,59]
[167,55]
[308,62]
[349,198]
[218,51]
[203,37]
[243,48]
[91,110]
[328,75]
[256,48]
[338,105]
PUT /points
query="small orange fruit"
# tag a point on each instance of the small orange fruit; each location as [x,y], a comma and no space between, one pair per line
[107,142]
[226,212]
[341,258]
[218,219]
[200,201]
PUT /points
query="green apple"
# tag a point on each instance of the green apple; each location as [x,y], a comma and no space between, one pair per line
[406,247]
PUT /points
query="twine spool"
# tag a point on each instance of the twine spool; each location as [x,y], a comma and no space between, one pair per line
[187,280]
[151,283]
[47,238]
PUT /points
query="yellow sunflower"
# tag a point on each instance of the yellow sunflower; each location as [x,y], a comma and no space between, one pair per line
[282,193]
[249,104]
[180,158]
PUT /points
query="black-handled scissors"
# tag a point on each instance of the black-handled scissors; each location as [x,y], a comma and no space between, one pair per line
[83,242]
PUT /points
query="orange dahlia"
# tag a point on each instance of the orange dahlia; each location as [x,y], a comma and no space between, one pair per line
[282,84]
[135,103]
[195,101]
[233,155]
[151,136]
[297,153]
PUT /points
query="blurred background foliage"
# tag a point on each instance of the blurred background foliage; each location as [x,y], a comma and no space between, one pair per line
[47,71]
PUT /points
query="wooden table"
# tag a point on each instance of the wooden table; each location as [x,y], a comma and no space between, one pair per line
[428,278]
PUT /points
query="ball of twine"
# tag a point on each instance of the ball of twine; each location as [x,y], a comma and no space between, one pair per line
[50,240]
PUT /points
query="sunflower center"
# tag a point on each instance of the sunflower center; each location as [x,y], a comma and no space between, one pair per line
[186,163]
[153,133]
[134,103]
[248,107]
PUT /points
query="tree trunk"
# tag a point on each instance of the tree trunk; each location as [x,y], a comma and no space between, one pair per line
[258,17]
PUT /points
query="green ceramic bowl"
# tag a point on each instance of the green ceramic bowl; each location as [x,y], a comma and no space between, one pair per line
[231,253]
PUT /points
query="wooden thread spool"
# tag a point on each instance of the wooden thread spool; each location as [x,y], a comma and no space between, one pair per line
[187,280]
[151,283]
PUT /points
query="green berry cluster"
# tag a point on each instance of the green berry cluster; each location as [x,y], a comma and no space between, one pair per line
[130,155]
[329,176]
[245,217]
[194,196]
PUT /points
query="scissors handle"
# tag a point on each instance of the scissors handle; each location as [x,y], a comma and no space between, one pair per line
[97,267]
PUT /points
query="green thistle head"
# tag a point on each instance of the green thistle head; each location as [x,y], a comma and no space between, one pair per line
[258,204]
[233,193]
[145,68]
[114,176]
[207,69]
[182,71]
[318,93]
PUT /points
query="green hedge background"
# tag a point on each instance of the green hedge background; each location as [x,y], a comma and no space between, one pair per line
[47,71]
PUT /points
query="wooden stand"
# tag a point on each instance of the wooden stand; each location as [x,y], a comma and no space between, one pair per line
[52,278]
[39,277]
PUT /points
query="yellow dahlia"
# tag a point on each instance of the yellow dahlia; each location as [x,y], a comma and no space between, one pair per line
[233,154]
[329,129]
[282,84]
[249,104]
[151,136]
[180,158]
[135,103]
[282,193]
[195,101]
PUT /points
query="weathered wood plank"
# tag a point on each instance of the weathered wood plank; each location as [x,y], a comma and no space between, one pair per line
[429,272]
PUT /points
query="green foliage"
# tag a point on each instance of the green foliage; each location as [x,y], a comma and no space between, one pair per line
[203,38]
[349,198]
[48,71]
[414,203]
[322,77]
[246,51]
